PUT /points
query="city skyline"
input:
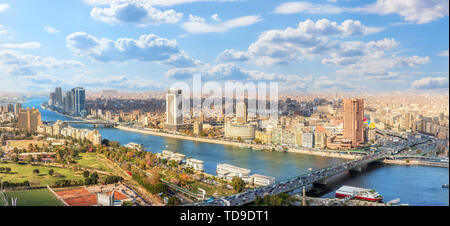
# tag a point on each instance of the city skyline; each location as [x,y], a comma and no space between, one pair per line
[306,46]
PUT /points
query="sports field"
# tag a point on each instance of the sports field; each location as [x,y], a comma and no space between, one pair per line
[21,173]
[37,197]
[94,161]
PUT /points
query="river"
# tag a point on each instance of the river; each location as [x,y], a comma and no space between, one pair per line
[414,185]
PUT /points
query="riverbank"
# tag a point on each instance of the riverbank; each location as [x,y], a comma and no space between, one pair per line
[231,143]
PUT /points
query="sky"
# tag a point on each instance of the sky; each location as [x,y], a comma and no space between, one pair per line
[305,46]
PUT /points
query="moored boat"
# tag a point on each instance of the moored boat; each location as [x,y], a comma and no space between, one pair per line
[359,193]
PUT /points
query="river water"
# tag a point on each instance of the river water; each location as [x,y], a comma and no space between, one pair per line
[414,185]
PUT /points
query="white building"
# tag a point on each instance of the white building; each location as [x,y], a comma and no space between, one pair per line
[262,180]
[174,109]
[228,171]
[195,164]
[308,140]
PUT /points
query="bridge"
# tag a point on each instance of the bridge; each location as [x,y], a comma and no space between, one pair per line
[389,133]
[314,177]
[317,176]
[89,122]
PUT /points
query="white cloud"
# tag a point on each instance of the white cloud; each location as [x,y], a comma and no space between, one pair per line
[51,30]
[443,53]
[306,7]
[116,82]
[3,31]
[137,12]
[202,27]
[157,2]
[26,45]
[308,39]
[16,63]
[322,40]
[215,17]
[430,83]
[193,18]
[148,48]
[417,11]
[3,7]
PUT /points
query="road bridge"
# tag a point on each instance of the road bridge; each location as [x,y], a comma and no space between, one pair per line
[306,179]
[294,183]
[87,122]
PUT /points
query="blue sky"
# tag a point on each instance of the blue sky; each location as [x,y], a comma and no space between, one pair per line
[306,46]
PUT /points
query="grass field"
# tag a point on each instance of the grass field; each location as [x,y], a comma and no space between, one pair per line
[37,197]
[92,160]
[25,143]
[21,173]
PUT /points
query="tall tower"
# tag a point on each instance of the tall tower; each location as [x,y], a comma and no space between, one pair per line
[241,113]
[79,97]
[174,109]
[353,113]
[68,102]
[58,96]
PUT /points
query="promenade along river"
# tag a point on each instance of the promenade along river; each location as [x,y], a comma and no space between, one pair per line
[414,185]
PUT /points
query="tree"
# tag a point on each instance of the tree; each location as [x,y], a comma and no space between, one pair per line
[29,158]
[36,171]
[50,172]
[238,184]
[86,174]
[173,201]
[258,200]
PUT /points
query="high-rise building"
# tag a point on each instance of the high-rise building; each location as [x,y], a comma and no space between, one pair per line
[174,109]
[17,108]
[353,114]
[241,113]
[29,119]
[68,102]
[308,140]
[79,98]
[58,96]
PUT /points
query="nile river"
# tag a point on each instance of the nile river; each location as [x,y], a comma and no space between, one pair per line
[414,185]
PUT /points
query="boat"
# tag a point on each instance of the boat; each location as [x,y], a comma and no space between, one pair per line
[359,193]
[445,186]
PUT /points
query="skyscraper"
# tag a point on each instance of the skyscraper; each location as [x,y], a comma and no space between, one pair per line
[174,109]
[17,108]
[241,113]
[68,102]
[353,113]
[79,97]
[58,96]
[29,119]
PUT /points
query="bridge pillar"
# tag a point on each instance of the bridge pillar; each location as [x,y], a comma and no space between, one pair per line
[321,182]
[357,169]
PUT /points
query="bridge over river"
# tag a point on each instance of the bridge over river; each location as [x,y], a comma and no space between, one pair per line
[317,176]
[89,122]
